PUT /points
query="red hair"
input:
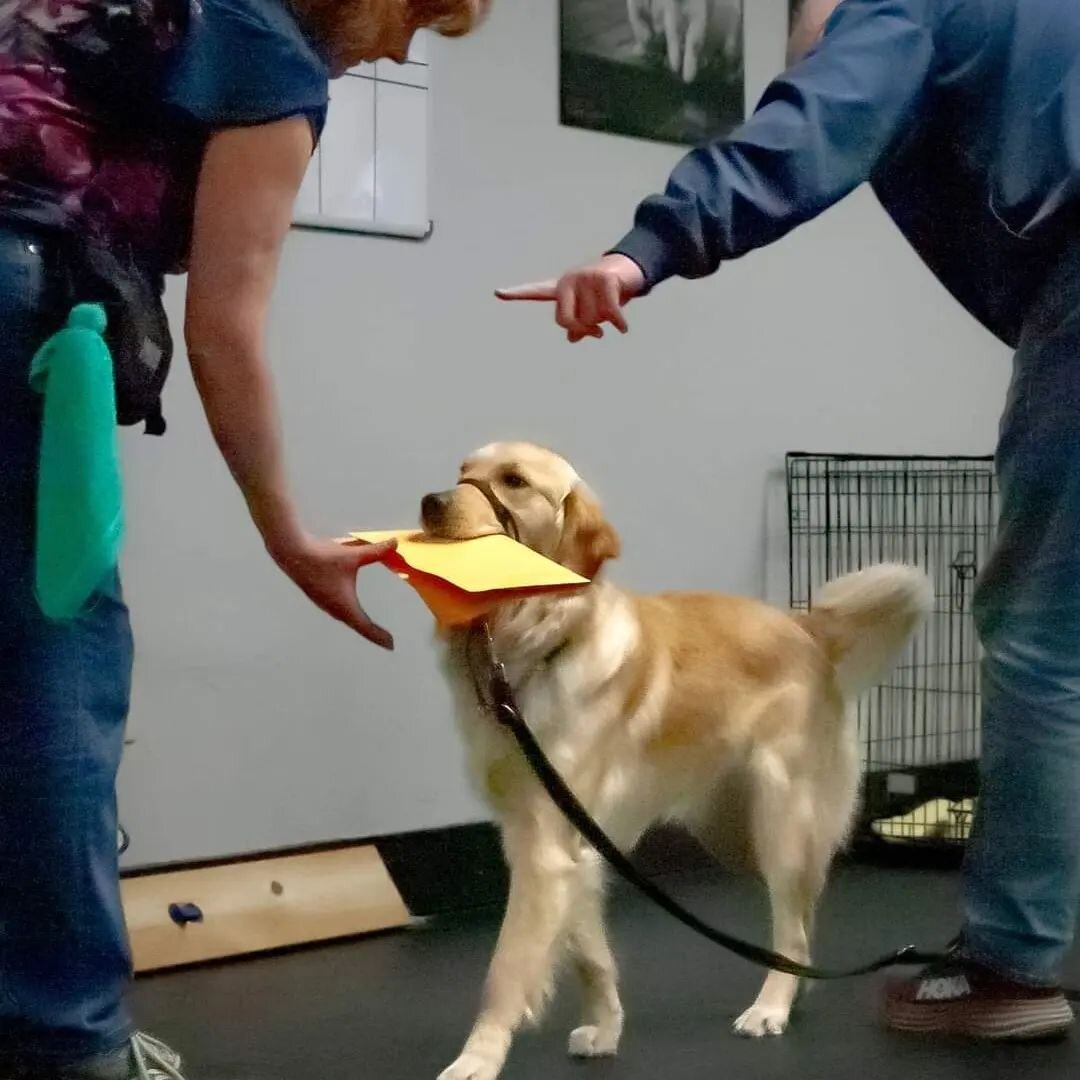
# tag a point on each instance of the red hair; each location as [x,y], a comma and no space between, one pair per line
[451,18]
[351,25]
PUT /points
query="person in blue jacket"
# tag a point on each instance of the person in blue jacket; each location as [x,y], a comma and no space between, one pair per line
[964,117]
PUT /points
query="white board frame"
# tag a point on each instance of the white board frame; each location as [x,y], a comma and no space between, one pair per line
[327,223]
[383,73]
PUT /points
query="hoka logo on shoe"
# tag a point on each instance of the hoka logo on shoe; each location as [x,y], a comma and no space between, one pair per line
[948,988]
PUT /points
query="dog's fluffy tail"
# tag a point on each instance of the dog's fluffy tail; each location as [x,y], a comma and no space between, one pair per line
[864,621]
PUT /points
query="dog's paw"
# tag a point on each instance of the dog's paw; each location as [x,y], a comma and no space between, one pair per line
[762,1020]
[471,1067]
[591,1041]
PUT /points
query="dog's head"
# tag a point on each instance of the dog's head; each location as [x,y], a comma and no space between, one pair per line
[532,495]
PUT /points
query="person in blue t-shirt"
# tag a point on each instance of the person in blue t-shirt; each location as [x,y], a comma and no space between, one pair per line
[964,116]
[173,134]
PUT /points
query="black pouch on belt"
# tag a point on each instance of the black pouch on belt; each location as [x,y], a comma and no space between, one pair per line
[137,334]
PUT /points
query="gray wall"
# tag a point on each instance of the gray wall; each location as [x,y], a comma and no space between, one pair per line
[258,723]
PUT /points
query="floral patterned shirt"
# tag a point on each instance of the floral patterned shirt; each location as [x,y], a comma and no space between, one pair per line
[106,105]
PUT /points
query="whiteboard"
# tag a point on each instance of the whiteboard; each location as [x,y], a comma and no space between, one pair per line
[370,171]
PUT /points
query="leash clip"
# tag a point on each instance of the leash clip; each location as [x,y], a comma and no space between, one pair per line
[501,693]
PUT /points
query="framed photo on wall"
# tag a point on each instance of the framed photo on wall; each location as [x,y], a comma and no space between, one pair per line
[669,70]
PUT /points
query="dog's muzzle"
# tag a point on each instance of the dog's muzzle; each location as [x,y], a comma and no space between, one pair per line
[433,507]
[502,512]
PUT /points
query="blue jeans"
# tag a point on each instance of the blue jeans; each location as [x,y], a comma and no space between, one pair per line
[64,687]
[1022,875]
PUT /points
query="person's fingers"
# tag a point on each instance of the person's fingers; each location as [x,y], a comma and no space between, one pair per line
[566,307]
[359,621]
[536,290]
[366,554]
[355,616]
[587,307]
[590,303]
[612,305]
[574,336]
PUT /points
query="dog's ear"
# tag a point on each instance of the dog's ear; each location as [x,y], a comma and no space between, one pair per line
[588,539]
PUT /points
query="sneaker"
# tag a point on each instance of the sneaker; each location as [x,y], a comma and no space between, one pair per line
[153,1060]
[144,1058]
[958,996]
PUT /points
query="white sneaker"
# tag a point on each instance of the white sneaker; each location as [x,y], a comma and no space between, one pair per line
[144,1058]
[153,1060]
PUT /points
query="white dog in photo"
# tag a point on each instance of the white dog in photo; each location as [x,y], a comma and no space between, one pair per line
[692,30]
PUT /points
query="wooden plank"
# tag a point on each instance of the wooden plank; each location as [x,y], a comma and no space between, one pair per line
[252,907]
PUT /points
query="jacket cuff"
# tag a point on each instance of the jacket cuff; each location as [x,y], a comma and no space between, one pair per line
[650,253]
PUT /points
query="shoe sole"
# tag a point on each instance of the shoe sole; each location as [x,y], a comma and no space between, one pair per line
[1011,1021]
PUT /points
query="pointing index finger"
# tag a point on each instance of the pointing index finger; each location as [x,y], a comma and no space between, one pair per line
[537,290]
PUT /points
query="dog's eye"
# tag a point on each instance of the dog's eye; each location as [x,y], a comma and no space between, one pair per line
[514,480]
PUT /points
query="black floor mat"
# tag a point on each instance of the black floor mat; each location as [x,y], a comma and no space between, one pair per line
[398,1007]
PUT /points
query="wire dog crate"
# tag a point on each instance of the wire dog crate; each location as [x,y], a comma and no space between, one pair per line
[919,731]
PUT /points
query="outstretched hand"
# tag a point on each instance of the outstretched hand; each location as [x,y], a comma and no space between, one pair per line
[326,572]
[587,298]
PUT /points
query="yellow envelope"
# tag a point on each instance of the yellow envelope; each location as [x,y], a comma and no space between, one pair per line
[462,580]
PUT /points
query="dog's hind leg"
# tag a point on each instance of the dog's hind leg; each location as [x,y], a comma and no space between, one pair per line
[782,834]
[592,957]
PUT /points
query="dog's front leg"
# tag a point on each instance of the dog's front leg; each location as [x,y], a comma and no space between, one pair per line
[639,16]
[521,972]
[673,32]
[696,30]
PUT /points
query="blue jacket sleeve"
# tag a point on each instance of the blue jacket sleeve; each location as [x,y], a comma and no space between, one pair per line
[819,131]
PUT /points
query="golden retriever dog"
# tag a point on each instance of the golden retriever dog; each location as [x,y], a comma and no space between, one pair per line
[717,712]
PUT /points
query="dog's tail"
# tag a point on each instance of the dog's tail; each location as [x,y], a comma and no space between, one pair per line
[864,621]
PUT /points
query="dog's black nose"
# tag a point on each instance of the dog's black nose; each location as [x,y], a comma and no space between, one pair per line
[433,507]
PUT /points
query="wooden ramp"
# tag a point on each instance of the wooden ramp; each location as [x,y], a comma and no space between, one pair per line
[257,906]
